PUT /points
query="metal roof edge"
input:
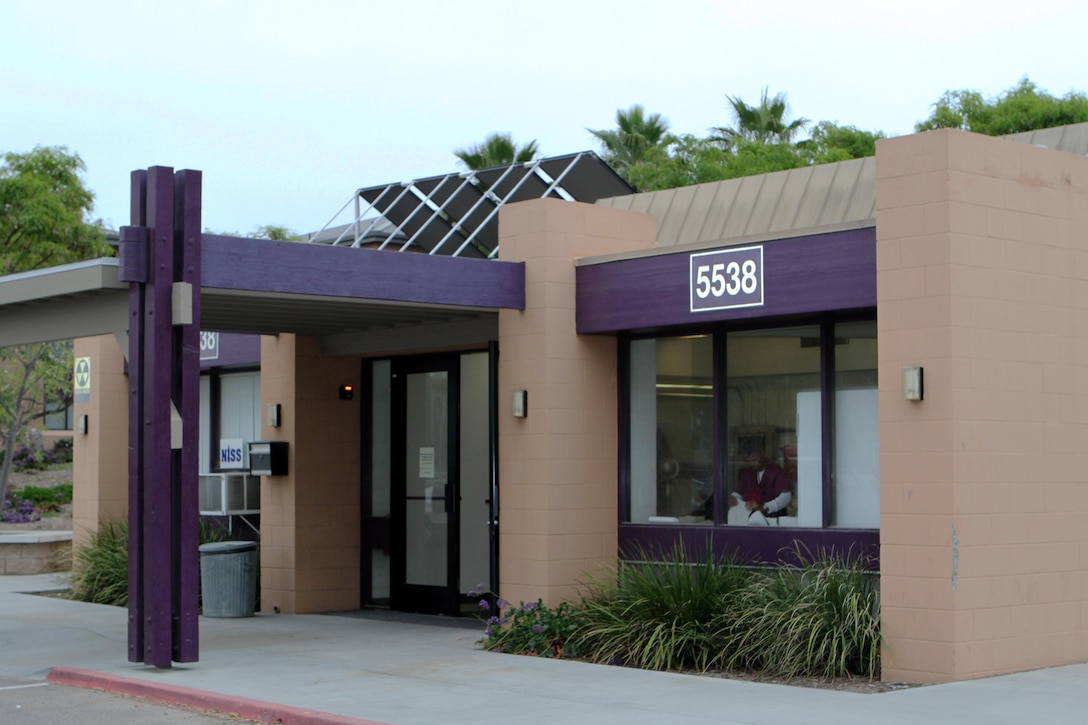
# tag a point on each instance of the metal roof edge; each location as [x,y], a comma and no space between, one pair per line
[730,242]
[90,275]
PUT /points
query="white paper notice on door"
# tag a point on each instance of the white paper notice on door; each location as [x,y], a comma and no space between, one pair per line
[426,462]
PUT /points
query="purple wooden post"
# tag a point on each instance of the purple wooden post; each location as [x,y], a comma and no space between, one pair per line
[164,367]
[157,534]
[134,244]
[186,393]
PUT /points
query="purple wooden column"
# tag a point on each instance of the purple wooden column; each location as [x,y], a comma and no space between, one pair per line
[163,374]
[186,395]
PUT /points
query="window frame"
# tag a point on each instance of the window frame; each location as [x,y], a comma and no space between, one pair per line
[748,544]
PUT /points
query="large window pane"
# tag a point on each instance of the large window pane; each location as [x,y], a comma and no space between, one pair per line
[672,420]
[856,490]
[773,435]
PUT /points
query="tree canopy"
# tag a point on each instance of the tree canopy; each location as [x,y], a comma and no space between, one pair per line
[44,210]
[498,149]
[635,134]
[1024,107]
[765,123]
[761,140]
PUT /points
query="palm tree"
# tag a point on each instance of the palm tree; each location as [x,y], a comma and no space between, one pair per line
[765,123]
[636,133]
[498,149]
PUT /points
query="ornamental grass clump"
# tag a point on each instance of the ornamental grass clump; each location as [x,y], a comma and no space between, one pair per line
[660,615]
[821,619]
[100,568]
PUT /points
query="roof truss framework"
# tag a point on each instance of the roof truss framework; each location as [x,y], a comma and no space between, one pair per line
[457,214]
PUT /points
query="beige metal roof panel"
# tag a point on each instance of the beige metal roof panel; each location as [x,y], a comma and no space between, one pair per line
[795,186]
[767,204]
[1071,139]
[739,196]
[861,202]
[783,201]
[679,209]
[701,212]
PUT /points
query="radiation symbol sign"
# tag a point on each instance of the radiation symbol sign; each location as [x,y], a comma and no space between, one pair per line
[82,380]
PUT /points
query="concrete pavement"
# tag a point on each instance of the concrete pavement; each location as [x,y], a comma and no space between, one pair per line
[406,673]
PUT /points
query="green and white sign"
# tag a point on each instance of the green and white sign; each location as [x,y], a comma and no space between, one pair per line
[81,380]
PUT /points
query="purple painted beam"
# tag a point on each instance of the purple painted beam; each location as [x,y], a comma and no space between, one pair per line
[750,544]
[834,271]
[157,530]
[314,269]
[186,395]
[235,349]
[138,217]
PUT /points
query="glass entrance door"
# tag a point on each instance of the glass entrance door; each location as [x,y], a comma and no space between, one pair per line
[426,486]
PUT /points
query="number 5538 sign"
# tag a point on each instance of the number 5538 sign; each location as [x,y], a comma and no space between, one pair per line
[726,278]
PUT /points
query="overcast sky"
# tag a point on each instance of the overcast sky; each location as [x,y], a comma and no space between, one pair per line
[288,107]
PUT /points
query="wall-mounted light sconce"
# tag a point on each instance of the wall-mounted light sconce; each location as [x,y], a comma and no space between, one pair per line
[272,415]
[519,405]
[81,424]
[347,392]
[913,388]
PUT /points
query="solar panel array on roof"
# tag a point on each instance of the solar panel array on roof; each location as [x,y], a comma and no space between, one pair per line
[457,214]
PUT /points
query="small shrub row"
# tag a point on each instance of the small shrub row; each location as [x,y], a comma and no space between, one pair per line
[46,498]
[26,458]
[819,619]
[15,510]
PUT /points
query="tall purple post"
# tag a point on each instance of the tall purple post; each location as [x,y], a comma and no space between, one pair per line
[160,257]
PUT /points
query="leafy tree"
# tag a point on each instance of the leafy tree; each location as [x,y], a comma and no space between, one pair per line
[765,123]
[632,139]
[498,149]
[276,233]
[1024,107]
[826,136]
[44,209]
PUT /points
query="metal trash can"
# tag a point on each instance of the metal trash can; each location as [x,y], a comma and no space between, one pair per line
[228,578]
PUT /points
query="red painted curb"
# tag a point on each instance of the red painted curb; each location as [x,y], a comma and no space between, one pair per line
[243,707]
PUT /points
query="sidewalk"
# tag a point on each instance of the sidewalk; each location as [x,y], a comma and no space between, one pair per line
[401,673]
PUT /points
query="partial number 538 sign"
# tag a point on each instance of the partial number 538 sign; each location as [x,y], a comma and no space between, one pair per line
[726,278]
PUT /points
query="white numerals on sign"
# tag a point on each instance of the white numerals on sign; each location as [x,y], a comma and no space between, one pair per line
[209,345]
[726,278]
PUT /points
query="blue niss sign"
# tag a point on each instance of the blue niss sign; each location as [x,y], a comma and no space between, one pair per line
[726,278]
[230,453]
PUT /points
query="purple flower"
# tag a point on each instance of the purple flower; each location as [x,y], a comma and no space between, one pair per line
[528,606]
[538,628]
[501,603]
[484,604]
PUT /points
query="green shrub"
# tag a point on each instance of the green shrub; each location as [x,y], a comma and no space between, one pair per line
[660,615]
[47,499]
[531,628]
[821,619]
[100,567]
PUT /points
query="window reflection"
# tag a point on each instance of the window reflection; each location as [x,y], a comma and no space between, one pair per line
[672,423]
[773,445]
[772,436]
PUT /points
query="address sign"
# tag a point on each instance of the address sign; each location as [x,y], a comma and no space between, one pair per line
[726,279]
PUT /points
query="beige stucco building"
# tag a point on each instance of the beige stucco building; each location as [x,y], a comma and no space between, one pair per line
[663,337]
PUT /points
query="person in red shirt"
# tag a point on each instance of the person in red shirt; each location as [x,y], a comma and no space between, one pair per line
[763,487]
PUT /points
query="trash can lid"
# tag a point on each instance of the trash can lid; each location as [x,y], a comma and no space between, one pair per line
[227,547]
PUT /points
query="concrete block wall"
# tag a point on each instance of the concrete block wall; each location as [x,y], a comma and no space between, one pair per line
[310,518]
[982,279]
[100,458]
[558,466]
